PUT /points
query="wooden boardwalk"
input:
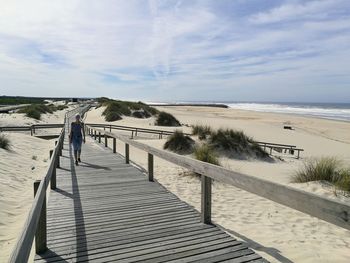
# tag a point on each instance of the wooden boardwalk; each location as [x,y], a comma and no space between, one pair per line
[105,210]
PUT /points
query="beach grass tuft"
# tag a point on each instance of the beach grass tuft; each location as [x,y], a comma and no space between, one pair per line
[205,153]
[115,109]
[179,143]
[4,142]
[328,169]
[236,143]
[34,111]
[166,119]
[203,131]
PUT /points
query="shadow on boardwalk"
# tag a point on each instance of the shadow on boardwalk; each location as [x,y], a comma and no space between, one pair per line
[273,252]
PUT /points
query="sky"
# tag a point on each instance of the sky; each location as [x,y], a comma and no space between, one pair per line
[173,50]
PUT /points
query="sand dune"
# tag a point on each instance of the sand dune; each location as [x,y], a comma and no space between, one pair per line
[26,162]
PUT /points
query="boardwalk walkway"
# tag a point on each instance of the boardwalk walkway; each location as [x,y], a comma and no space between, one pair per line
[107,211]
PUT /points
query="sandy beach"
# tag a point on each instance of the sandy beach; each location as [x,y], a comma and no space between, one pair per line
[278,233]
[25,162]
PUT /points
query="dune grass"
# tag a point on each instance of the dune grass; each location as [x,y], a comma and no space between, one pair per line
[328,169]
[115,109]
[179,143]
[203,131]
[236,143]
[4,142]
[9,100]
[35,110]
[166,119]
[206,154]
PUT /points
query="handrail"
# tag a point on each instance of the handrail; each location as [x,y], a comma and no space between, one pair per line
[31,227]
[276,144]
[135,130]
[132,128]
[329,210]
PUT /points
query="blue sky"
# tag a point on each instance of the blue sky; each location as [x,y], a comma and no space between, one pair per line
[168,50]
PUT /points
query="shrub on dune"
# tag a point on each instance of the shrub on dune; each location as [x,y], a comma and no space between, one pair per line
[120,108]
[166,119]
[236,143]
[324,169]
[141,114]
[4,142]
[202,131]
[206,154]
[112,116]
[179,143]
[35,110]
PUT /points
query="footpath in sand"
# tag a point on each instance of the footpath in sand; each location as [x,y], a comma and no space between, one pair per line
[278,233]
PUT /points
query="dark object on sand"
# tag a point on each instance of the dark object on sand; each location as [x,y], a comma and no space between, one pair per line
[288,127]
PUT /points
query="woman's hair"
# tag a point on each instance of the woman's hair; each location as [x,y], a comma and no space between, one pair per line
[77,116]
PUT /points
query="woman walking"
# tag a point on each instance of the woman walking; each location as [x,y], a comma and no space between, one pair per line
[77,137]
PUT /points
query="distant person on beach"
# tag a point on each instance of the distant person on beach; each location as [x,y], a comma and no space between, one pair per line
[77,137]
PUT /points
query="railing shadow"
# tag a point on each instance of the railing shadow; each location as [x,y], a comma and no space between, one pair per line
[94,166]
[273,252]
[81,242]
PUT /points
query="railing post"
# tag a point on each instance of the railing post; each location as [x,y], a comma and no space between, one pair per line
[150,167]
[53,176]
[132,134]
[127,153]
[114,145]
[99,137]
[110,128]
[40,234]
[31,130]
[106,141]
[95,134]
[206,200]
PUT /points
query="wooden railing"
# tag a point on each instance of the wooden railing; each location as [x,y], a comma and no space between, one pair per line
[134,130]
[290,149]
[329,210]
[35,225]
[31,128]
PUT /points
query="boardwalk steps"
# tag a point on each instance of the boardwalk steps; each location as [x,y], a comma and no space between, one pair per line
[107,211]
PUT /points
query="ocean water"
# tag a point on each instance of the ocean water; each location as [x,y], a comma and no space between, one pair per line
[334,111]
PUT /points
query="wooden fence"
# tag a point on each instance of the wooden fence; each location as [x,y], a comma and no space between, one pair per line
[31,128]
[290,149]
[134,130]
[329,210]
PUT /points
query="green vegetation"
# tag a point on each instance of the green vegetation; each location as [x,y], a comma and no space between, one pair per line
[179,143]
[4,142]
[203,131]
[5,100]
[166,119]
[35,110]
[324,169]
[206,154]
[115,109]
[237,143]
[112,116]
